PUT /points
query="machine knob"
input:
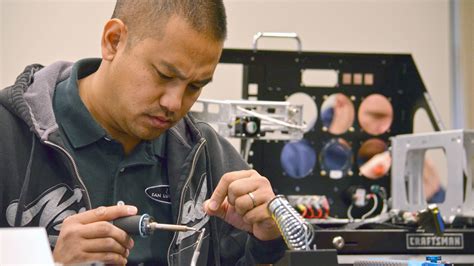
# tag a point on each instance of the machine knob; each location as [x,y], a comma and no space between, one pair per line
[338,242]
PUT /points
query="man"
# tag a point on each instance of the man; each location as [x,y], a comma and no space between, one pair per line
[76,138]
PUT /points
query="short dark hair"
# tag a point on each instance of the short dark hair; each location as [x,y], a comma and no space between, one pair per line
[144,18]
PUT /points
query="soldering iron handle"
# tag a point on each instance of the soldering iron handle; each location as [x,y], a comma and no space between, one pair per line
[130,224]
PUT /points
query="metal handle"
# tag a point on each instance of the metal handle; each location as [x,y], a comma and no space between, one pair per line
[290,35]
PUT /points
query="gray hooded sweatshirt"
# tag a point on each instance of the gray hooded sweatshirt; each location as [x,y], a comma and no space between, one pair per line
[40,184]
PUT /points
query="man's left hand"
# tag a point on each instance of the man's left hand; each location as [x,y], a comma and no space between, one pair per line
[241,199]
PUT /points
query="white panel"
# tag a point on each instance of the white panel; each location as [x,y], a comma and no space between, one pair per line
[25,246]
[319,78]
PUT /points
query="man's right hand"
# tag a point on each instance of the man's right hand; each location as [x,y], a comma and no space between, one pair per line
[89,236]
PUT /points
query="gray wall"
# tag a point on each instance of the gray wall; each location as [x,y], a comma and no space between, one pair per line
[43,31]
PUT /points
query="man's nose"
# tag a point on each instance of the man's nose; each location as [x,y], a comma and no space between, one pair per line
[172,99]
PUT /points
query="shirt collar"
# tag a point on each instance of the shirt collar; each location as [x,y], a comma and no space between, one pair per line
[159,146]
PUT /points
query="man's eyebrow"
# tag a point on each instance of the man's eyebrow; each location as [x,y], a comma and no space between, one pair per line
[202,83]
[174,70]
[180,75]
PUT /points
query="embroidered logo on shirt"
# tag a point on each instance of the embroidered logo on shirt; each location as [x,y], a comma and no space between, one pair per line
[159,193]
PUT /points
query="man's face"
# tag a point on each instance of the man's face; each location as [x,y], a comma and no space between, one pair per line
[154,83]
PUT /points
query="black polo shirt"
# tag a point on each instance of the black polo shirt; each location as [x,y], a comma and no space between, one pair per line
[139,178]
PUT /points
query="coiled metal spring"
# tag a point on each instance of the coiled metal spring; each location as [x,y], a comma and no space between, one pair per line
[297,232]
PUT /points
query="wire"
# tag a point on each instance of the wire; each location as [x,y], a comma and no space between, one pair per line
[333,220]
[349,214]
[197,249]
[376,203]
[369,213]
[270,119]
[384,206]
[237,121]
[383,195]
[320,213]
[245,148]
[311,211]
[303,210]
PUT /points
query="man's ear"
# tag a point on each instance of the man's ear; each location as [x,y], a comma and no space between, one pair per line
[114,37]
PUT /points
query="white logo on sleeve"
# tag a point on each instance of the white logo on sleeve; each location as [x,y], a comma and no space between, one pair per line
[51,206]
[193,212]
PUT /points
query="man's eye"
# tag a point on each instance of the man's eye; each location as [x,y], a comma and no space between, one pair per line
[163,76]
[194,87]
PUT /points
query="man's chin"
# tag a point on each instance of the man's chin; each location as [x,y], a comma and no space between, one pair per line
[151,135]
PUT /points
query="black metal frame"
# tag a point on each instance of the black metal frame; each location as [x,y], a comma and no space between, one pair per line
[278,75]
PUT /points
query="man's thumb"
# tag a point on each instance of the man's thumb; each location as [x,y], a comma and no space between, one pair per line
[213,210]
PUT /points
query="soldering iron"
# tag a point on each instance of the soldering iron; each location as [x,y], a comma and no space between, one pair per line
[144,225]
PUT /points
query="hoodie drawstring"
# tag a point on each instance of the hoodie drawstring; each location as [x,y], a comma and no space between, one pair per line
[26,182]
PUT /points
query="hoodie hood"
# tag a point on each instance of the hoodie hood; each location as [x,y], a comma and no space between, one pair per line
[31,97]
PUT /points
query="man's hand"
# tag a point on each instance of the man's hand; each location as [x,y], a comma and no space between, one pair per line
[232,203]
[89,236]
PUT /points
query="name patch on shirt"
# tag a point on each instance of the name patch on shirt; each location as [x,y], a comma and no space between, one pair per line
[159,193]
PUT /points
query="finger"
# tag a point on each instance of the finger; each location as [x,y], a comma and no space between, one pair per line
[243,204]
[220,192]
[107,258]
[104,229]
[256,215]
[219,212]
[105,245]
[103,214]
[243,186]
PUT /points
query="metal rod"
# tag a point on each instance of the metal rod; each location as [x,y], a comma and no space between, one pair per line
[171,227]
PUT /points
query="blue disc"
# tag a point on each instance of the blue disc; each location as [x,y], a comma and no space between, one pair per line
[298,158]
